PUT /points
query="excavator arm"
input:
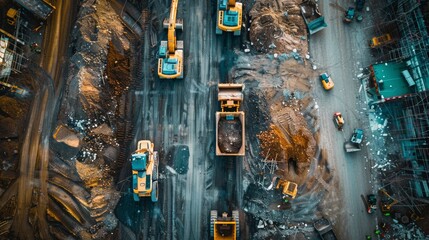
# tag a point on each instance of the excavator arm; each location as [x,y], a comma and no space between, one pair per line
[172,27]
[231,2]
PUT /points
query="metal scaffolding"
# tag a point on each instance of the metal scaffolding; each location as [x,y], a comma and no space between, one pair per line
[413,41]
[409,126]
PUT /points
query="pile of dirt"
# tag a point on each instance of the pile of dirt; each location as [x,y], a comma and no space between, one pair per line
[99,77]
[278,26]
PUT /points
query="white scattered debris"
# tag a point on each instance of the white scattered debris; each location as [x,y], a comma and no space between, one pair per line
[294,50]
[360,88]
[360,75]
[283,227]
[246,50]
[307,56]
[314,67]
[260,224]
[367,143]
[275,55]
[316,106]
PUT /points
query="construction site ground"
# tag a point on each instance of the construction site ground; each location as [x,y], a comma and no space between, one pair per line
[106,96]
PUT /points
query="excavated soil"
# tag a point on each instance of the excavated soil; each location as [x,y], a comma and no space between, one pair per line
[277,26]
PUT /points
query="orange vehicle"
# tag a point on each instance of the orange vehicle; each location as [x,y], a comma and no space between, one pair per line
[338,120]
[380,41]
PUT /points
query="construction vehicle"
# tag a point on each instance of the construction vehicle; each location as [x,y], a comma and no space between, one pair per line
[170,55]
[144,164]
[230,124]
[12,88]
[312,16]
[350,14]
[354,144]
[289,189]
[324,228]
[224,227]
[386,202]
[12,15]
[40,8]
[380,41]
[229,17]
[326,80]
[338,120]
[371,202]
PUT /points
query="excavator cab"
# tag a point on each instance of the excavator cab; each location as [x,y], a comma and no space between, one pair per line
[229,17]
[224,227]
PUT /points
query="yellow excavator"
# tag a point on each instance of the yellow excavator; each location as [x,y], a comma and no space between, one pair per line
[170,61]
[387,201]
[229,17]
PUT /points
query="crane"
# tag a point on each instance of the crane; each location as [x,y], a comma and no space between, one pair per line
[170,61]
[229,16]
[387,202]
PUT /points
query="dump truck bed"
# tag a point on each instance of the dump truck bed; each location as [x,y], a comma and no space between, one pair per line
[351,147]
[324,228]
[312,17]
[230,132]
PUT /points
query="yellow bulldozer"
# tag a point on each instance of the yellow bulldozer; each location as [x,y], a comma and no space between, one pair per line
[224,227]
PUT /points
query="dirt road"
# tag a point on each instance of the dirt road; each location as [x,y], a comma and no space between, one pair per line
[341,50]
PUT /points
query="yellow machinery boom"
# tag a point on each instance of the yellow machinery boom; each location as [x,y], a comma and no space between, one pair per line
[172,27]
[170,62]
[386,205]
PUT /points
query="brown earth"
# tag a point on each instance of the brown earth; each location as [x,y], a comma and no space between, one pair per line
[278,27]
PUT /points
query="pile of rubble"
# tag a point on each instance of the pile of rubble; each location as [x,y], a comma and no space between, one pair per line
[277,27]
[86,136]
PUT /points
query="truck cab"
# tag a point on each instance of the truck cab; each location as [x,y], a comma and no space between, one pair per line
[12,15]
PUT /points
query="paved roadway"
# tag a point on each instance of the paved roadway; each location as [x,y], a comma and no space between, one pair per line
[342,50]
[182,112]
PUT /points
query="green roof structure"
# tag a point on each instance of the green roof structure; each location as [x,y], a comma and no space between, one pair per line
[391,79]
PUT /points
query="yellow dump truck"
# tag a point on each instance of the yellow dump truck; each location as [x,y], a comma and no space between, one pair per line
[230,140]
[224,227]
